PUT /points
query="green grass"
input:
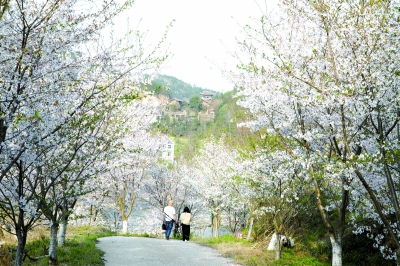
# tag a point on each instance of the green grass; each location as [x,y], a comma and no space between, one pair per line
[140,235]
[79,249]
[255,254]
[289,257]
[215,241]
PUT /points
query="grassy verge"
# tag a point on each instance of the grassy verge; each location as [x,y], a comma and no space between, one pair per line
[256,254]
[79,248]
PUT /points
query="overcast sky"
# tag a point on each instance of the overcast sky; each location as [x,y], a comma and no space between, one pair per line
[201,35]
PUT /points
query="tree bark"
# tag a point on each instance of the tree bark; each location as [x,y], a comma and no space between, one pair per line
[21,230]
[62,232]
[3,131]
[379,210]
[93,215]
[336,251]
[250,228]
[398,257]
[53,244]
[21,236]
[277,247]
[124,226]
[215,224]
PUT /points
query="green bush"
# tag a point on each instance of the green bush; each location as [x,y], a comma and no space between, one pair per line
[358,250]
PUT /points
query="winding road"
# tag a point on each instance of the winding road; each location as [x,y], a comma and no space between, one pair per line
[125,251]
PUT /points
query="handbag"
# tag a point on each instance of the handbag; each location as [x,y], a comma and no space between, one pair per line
[164,226]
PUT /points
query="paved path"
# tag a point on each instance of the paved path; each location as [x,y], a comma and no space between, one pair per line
[125,251]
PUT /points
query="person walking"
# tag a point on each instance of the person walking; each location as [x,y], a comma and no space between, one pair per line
[185,218]
[169,218]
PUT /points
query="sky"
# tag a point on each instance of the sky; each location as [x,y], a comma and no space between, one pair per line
[200,38]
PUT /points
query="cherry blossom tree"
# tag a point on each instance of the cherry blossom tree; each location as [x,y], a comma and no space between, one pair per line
[128,167]
[314,73]
[66,171]
[166,181]
[3,7]
[278,188]
[214,181]
[53,70]
[161,186]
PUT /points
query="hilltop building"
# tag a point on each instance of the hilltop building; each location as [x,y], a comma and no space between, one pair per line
[176,102]
[206,98]
[168,151]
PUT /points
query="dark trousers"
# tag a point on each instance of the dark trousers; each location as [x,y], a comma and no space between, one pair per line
[185,232]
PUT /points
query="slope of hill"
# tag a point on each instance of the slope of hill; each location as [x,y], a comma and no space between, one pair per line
[176,88]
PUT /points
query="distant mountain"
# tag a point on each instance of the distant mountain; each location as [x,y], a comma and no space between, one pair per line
[176,88]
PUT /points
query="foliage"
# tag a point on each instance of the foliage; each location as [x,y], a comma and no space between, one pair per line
[177,127]
[176,88]
[60,90]
[158,88]
[195,102]
[333,105]
[361,251]
[253,254]
[187,147]
[307,145]
[227,117]
[78,250]
[227,122]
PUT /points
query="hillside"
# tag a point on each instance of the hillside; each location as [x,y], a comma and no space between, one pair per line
[176,88]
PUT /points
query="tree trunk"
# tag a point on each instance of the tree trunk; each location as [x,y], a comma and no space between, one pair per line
[3,128]
[215,225]
[250,228]
[93,215]
[21,236]
[53,244]
[277,247]
[90,215]
[115,222]
[336,252]
[124,226]
[336,238]
[62,232]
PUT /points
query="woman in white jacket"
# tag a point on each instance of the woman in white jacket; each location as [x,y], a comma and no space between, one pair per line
[185,219]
